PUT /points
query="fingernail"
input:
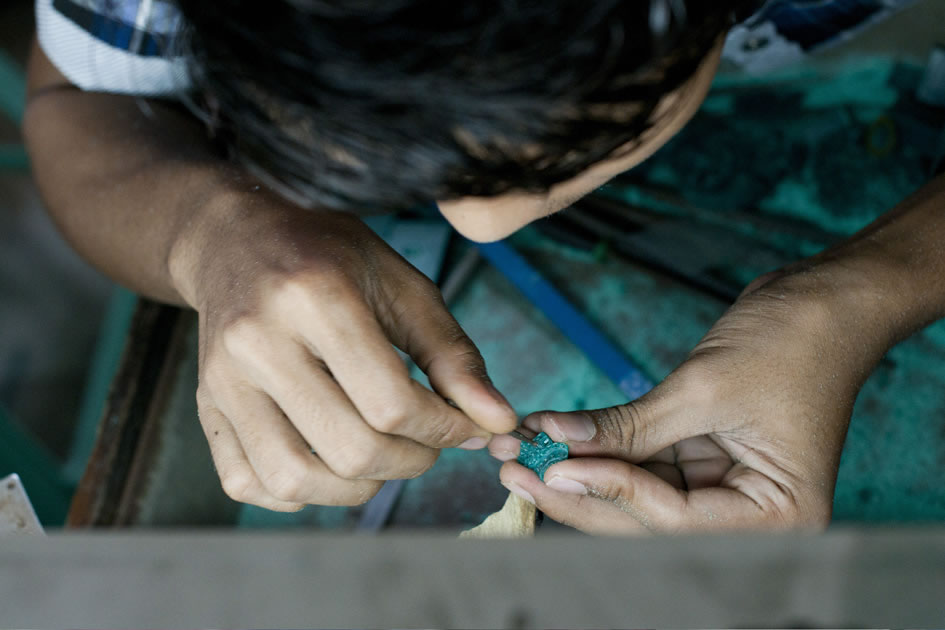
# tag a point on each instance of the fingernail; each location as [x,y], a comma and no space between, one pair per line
[571,428]
[516,489]
[563,484]
[474,443]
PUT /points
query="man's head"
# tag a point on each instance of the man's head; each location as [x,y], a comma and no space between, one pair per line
[510,108]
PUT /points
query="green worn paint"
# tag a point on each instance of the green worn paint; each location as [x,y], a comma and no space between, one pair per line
[12,88]
[13,157]
[22,454]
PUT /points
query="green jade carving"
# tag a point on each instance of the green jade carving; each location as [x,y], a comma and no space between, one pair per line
[539,456]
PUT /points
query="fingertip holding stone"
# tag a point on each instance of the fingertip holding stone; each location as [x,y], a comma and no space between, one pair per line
[571,427]
[474,443]
[539,456]
[568,486]
[533,421]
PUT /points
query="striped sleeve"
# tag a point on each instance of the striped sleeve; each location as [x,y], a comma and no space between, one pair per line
[119,46]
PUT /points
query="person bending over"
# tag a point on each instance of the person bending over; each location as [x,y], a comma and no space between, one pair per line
[298,115]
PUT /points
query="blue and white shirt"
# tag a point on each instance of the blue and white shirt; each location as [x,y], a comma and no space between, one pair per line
[121,46]
[128,46]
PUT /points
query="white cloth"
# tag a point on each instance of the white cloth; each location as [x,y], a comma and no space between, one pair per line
[114,49]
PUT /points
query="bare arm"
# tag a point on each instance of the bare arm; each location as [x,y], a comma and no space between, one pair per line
[902,254]
[123,178]
[299,310]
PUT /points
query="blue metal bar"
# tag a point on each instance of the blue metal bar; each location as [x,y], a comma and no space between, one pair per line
[377,511]
[582,333]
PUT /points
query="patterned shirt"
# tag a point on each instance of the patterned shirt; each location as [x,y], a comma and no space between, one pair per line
[121,46]
[128,46]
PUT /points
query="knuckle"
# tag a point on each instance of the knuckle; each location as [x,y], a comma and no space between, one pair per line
[616,427]
[445,432]
[212,380]
[614,491]
[391,416]
[289,290]
[354,462]
[242,337]
[326,282]
[781,506]
[289,482]
[471,358]
[204,399]
[461,345]
[421,288]
[437,425]
[237,484]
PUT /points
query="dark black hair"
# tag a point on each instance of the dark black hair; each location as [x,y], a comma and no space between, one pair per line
[388,103]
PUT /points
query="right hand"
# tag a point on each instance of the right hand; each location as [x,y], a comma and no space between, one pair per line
[746,434]
[302,397]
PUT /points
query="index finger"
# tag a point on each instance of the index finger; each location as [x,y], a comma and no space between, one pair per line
[347,336]
[445,353]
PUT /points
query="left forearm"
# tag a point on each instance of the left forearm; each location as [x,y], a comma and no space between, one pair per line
[900,260]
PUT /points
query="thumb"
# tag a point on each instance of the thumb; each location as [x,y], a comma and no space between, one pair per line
[599,496]
[632,432]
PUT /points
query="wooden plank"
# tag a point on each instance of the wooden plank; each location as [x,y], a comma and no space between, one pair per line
[846,578]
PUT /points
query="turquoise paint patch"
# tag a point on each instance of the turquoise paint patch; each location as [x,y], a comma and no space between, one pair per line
[864,84]
[12,88]
[13,157]
[719,103]
[541,455]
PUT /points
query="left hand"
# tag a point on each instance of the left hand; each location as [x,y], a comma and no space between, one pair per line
[745,434]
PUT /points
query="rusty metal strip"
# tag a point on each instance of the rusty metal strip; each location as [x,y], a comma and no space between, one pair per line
[135,397]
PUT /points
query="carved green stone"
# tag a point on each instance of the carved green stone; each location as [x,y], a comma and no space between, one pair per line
[542,454]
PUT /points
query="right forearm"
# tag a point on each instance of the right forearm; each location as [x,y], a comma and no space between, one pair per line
[123,179]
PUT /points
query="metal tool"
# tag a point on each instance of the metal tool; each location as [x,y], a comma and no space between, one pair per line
[522,437]
[595,345]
